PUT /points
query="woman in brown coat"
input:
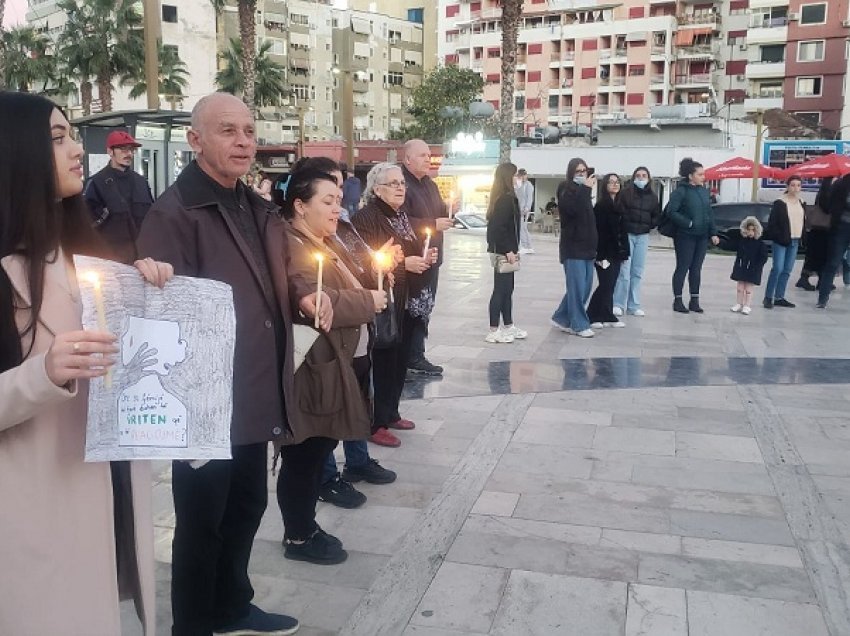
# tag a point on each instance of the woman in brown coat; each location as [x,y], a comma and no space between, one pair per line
[332,384]
[62,521]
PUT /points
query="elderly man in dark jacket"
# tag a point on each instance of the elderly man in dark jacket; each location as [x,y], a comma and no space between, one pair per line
[210,225]
[839,240]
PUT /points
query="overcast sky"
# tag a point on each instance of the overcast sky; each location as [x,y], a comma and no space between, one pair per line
[15,12]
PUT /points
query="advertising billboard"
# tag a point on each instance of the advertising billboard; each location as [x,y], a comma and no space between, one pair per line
[785,153]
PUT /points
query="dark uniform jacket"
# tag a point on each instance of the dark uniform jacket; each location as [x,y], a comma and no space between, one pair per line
[579,238]
[119,201]
[190,227]
[503,225]
[640,209]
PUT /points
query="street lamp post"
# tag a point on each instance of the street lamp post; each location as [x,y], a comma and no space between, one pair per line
[152,25]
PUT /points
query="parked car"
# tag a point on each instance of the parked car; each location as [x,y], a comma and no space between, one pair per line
[728,217]
[475,223]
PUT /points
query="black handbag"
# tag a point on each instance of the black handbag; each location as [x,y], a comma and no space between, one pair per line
[386,327]
[666,226]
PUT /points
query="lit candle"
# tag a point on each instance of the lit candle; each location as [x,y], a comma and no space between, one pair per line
[427,242]
[452,204]
[94,279]
[321,259]
[380,264]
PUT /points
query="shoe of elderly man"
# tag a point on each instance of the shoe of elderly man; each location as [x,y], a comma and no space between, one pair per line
[424,367]
[260,623]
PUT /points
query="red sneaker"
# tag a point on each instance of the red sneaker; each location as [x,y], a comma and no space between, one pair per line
[383,437]
[402,425]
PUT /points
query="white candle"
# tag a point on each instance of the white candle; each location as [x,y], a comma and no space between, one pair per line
[380,264]
[321,259]
[427,242]
[452,205]
[100,309]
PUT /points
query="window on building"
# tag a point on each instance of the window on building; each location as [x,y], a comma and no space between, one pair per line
[554,101]
[300,19]
[636,70]
[770,89]
[172,48]
[634,99]
[587,73]
[452,10]
[813,13]
[534,76]
[809,86]
[773,53]
[636,12]
[395,78]
[811,51]
[416,15]
[494,52]
[769,17]
[736,37]
[169,13]
[809,118]
[519,102]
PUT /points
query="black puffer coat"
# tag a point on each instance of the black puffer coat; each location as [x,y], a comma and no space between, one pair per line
[613,243]
[640,209]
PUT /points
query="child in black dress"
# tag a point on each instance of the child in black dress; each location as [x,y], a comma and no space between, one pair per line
[749,263]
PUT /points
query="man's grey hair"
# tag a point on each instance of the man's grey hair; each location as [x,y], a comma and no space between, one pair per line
[202,105]
[376,176]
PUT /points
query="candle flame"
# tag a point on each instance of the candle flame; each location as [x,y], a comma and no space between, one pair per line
[93,278]
[428,231]
[320,257]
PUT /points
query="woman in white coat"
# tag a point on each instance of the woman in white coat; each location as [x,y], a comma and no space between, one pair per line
[73,541]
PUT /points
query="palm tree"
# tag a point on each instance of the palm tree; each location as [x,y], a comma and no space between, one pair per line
[511,14]
[270,85]
[102,40]
[173,76]
[2,55]
[248,40]
[26,59]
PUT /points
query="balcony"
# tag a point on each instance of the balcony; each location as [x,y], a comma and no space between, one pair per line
[704,18]
[763,103]
[620,52]
[601,109]
[604,81]
[659,49]
[760,22]
[604,53]
[519,86]
[767,35]
[694,80]
[619,80]
[656,79]
[695,52]
[765,70]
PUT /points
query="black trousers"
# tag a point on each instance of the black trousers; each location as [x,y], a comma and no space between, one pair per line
[601,305]
[389,368]
[502,298]
[298,485]
[690,254]
[218,509]
[817,247]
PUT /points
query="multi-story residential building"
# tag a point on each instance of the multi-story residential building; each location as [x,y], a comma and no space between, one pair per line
[417,11]
[188,25]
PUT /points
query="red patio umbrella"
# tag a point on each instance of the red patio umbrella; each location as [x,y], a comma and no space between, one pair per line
[737,168]
[832,165]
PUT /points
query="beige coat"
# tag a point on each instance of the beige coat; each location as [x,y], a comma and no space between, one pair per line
[58,572]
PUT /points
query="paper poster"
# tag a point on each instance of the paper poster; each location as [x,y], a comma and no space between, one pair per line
[169,394]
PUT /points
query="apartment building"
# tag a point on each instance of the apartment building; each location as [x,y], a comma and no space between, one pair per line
[187,25]
[417,11]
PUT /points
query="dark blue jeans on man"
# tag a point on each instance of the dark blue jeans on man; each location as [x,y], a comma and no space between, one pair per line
[572,312]
[784,257]
[838,244]
[356,456]
[690,255]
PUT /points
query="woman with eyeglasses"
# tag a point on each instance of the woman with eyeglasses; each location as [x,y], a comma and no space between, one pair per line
[611,251]
[577,248]
[381,219]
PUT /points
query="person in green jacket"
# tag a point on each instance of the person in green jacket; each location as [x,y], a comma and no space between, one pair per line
[690,210]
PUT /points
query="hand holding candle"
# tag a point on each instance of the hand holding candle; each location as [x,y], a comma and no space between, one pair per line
[94,280]
[320,258]
[381,259]
[427,242]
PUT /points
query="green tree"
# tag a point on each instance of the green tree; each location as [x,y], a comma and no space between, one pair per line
[247,9]
[173,76]
[28,65]
[102,40]
[2,64]
[270,86]
[511,14]
[442,88]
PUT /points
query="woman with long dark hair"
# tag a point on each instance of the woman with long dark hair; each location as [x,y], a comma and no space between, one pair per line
[577,248]
[690,210]
[611,251]
[74,536]
[784,228]
[503,227]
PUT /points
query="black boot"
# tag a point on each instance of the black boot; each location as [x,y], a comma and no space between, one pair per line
[694,305]
[804,283]
[679,306]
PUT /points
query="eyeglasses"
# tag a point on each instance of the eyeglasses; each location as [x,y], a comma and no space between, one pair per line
[394,184]
[581,172]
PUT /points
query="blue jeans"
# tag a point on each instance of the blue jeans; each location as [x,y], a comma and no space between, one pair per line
[783,263]
[356,455]
[572,311]
[627,289]
[839,241]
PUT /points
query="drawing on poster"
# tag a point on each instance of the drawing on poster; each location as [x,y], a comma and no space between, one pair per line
[148,414]
[171,391]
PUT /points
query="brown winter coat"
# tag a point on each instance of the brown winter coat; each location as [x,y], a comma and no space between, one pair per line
[58,572]
[327,394]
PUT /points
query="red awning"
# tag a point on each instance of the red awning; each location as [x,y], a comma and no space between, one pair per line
[737,168]
[831,165]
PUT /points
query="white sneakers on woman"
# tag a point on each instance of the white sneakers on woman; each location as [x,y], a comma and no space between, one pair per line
[505,335]
[744,309]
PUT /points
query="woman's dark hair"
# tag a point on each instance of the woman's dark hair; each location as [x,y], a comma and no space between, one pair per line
[302,187]
[33,221]
[603,195]
[645,169]
[568,184]
[687,167]
[822,197]
[502,184]
[793,177]
[322,164]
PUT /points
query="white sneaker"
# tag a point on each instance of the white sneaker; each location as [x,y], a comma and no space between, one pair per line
[526,250]
[640,313]
[516,332]
[560,327]
[498,336]
[585,333]
[596,325]
[737,307]
[614,324]
[746,310]
[618,311]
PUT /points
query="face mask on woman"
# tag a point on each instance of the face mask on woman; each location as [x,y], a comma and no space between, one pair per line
[579,179]
[641,183]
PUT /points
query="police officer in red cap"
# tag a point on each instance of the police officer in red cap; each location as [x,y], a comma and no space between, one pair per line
[119,197]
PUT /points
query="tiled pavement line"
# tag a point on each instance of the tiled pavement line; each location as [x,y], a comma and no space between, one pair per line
[399,587]
[825,552]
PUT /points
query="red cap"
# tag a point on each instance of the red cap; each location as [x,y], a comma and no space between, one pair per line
[120,138]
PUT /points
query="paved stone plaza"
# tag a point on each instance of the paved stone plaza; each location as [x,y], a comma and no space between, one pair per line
[684,475]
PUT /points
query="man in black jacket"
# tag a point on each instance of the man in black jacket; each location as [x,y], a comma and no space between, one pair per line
[839,240]
[119,197]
